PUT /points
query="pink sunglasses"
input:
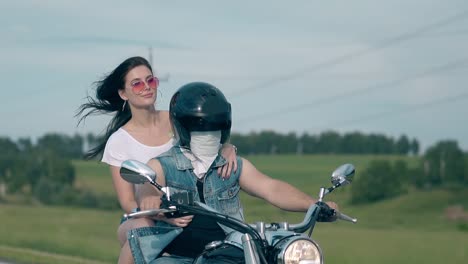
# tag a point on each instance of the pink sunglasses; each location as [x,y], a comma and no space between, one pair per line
[138,86]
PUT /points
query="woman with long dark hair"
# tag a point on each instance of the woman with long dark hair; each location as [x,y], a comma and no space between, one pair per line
[137,131]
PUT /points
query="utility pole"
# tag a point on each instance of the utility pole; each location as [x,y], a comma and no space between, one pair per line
[150,55]
[164,78]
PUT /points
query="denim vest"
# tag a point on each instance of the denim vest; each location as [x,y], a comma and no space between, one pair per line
[220,194]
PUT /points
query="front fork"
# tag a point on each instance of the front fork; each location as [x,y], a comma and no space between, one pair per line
[250,250]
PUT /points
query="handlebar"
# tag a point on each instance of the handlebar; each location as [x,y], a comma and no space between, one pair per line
[201,209]
[345,217]
[307,222]
[150,212]
[312,212]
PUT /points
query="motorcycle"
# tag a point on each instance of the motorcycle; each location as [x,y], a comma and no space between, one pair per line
[258,243]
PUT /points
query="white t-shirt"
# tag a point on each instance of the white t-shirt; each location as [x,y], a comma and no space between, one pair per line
[122,146]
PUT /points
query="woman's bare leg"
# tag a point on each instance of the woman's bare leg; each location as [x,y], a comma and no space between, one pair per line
[125,256]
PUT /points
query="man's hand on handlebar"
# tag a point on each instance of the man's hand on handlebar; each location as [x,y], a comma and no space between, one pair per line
[333,205]
[154,202]
[179,221]
[328,212]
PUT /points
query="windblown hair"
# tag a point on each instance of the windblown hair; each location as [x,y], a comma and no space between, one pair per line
[108,100]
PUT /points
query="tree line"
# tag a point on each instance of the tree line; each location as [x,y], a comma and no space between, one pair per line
[442,165]
[329,142]
[263,142]
[43,170]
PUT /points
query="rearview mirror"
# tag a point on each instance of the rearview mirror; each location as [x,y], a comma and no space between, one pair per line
[137,172]
[343,175]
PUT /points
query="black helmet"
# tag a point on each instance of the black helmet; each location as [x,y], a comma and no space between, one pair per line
[199,106]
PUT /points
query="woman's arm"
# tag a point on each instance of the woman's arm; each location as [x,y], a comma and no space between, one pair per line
[148,196]
[124,190]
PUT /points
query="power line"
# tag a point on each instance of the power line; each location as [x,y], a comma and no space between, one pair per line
[411,108]
[322,101]
[459,32]
[350,56]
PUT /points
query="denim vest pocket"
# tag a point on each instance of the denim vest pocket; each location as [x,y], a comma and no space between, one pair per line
[229,201]
[146,243]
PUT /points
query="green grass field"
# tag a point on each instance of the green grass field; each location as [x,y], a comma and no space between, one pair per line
[408,229]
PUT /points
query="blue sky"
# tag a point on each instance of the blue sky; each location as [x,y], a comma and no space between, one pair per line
[390,67]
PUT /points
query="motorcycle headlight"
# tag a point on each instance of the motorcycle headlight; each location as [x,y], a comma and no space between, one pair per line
[298,250]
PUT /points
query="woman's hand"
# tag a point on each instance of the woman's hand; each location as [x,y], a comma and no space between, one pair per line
[229,153]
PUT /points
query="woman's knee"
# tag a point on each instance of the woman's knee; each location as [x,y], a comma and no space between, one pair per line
[132,224]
